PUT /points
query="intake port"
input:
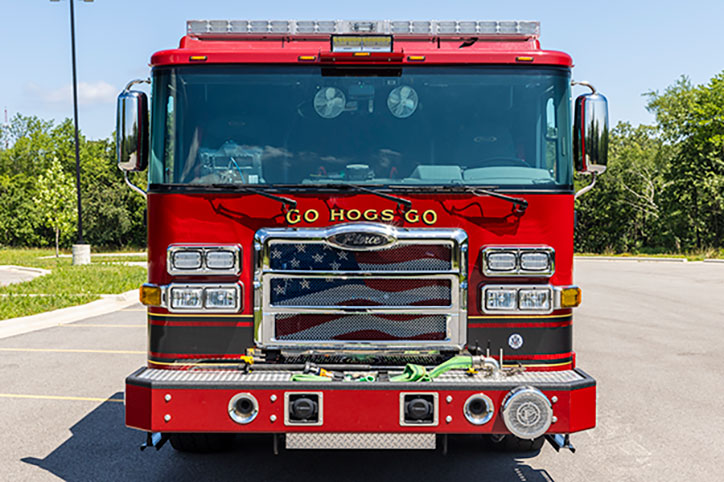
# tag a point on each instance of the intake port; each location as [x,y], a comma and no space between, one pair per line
[243,408]
[303,408]
[478,409]
[418,409]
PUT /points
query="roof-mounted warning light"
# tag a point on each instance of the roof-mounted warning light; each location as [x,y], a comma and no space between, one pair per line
[325,28]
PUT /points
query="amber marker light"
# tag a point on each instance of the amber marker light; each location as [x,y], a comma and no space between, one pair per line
[416,58]
[197,58]
[524,59]
[307,58]
[570,297]
[150,295]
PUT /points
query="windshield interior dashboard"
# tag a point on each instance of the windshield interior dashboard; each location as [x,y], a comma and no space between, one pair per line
[280,126]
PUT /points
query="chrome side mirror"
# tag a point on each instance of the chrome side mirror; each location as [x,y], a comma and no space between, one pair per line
[132,130]
[590,132]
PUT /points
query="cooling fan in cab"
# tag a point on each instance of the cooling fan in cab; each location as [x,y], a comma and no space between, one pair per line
[329,102]
[402,101]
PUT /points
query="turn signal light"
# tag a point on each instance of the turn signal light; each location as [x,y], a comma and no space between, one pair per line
[150,295]
[570,297]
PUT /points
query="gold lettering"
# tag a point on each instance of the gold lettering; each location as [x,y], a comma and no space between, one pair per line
[336,215]
[387,215]
[293,216]
[411,216]
[370,214]
[353,214]
[311,215]
[429,217]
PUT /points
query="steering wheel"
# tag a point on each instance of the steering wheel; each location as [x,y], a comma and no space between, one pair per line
[504,161]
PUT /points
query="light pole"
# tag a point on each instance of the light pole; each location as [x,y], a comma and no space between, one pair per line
[81,251]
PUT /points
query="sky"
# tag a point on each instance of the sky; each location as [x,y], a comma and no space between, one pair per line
[625,48]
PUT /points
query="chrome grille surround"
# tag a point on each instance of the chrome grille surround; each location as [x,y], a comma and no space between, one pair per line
[370,265]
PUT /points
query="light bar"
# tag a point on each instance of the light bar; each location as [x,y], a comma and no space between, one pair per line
[324,28]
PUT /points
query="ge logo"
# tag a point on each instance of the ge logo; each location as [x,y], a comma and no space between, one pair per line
[528,414]
[515,341]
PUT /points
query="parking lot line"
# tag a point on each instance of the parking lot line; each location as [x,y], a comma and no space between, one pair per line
[59,397]
[74,350]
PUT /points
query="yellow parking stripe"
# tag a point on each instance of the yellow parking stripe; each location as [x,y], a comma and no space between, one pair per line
[74,350]
[59,397]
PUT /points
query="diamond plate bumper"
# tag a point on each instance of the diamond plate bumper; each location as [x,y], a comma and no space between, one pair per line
[198,401]
[379,441]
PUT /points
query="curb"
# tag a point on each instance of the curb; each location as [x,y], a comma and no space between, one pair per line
[714,260]
[107,304]
[631,258]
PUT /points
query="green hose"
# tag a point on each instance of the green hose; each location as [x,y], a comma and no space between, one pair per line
[411,373]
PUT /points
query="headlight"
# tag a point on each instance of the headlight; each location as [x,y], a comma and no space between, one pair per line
[184,260]
[501,299]
[203,260]
[510,299]
[222,298]
[186,298]
[535,261]
[502,261]
[499,261]
[534,299]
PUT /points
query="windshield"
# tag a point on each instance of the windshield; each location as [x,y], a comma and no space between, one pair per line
[396,126]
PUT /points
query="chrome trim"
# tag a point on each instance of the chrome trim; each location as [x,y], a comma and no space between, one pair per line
[477,419]
[166,297]
[456,313]
[238,418]
[320,409]
[518,251]
[203,270]
[517,310]
[435,410]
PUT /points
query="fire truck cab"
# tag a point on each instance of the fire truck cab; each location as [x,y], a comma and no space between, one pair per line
[360,234]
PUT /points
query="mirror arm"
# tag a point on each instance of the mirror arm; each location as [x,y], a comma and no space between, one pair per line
[136,81]
[584,190]
[584,83]
[136,188]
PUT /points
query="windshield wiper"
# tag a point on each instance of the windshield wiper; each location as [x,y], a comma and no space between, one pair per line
[400,201]
[519,204]
[284,200]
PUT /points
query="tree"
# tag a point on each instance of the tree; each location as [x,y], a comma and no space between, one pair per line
[56,200]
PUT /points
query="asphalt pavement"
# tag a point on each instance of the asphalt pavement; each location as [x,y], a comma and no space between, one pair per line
[652,334]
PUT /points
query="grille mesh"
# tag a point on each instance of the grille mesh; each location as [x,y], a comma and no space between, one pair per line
[362,327]
[315,256]
[360,292]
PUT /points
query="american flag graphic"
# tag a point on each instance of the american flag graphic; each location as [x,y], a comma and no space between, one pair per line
[360,327]
[323,257]
[381,288]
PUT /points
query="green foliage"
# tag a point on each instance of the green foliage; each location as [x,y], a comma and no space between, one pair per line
[664,187]
[55,200]
[113,216]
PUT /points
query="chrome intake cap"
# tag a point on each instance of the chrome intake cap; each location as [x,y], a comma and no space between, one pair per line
[527,412]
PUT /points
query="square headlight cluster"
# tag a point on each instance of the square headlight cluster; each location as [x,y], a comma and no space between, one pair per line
[206,260]
[219,298]
[507,299]
[516,261]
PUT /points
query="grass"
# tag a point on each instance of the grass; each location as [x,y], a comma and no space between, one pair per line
[66,285]
[692,256]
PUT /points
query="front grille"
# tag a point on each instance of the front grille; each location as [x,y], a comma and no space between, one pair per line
[331,291]
[319,256]
[313,293]
[363,327]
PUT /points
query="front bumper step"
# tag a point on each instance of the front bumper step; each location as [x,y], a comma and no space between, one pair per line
[357,441]
[167,401]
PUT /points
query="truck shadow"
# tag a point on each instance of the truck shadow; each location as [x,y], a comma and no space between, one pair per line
[102,448]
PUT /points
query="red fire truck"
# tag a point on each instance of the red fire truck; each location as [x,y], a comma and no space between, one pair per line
[360,235]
